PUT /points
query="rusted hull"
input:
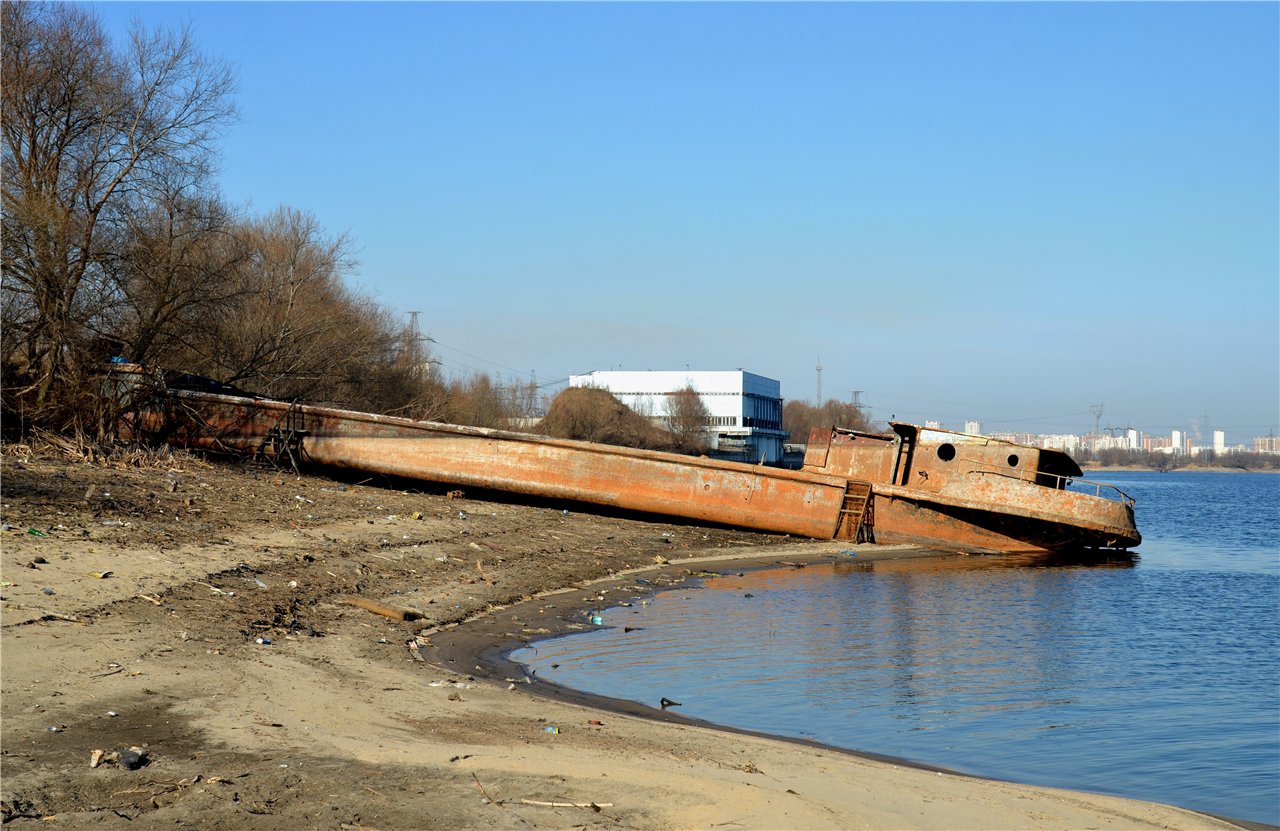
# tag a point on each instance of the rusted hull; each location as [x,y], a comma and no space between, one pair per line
[971,513]
[728,493]
[954,528]
[1029,519]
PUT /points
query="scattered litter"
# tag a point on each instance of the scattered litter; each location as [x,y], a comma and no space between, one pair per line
[133,758]
[261,584]
[4,526]
[597,620]
[57,728]
[48,591]
[661,560]
[293,584]
[551,728]
[36,532]
[112,714]
[666,702]
[263,641]
[95,758]
[595,806]
[101,575]
[304,499]
[565,512]
[416,515]
[392,612]
[595,722]
[462,514]
[849,553]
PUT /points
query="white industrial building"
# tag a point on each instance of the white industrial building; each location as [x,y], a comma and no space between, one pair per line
[745,409]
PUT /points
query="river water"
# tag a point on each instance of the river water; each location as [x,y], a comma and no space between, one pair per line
[1156,677]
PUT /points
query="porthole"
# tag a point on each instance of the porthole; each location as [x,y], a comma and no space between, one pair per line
[946,452]
[1013,460]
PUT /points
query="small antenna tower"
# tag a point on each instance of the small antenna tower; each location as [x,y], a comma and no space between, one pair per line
[1097,410]
[819,369]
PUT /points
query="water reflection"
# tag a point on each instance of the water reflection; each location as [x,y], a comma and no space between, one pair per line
[1063,670]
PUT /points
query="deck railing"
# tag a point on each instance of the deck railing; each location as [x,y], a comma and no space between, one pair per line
[1057,482]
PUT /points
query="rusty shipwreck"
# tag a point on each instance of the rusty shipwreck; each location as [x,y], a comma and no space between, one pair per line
[930,487]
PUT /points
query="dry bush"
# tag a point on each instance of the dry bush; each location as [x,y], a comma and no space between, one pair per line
[478,402]
[78,448]
[799,417]
[590,414]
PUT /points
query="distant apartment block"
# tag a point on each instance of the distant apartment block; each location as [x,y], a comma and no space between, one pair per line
[1176,442]
[1266,444]
[1065,442]
[745,409]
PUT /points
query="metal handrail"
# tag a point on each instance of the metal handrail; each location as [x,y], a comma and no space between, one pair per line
[1060,482]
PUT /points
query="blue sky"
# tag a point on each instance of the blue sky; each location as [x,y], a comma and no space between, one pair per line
[1005,212]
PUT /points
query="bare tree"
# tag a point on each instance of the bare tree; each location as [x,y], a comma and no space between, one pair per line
[87,130]
[171,271]
[688,420]
[289,326]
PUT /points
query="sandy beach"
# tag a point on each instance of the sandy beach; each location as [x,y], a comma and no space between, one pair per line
[232,623]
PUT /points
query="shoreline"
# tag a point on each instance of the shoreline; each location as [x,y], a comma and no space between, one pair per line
[485,644]
[481,647]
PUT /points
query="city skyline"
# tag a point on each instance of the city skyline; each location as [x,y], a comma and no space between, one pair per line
[1008,212]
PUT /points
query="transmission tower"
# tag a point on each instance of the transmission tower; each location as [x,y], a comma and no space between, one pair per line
[415,339]
[855,398]
[819,370]
[1097,410]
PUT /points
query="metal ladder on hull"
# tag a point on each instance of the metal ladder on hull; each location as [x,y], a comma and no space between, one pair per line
[284,440]
[857,515]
